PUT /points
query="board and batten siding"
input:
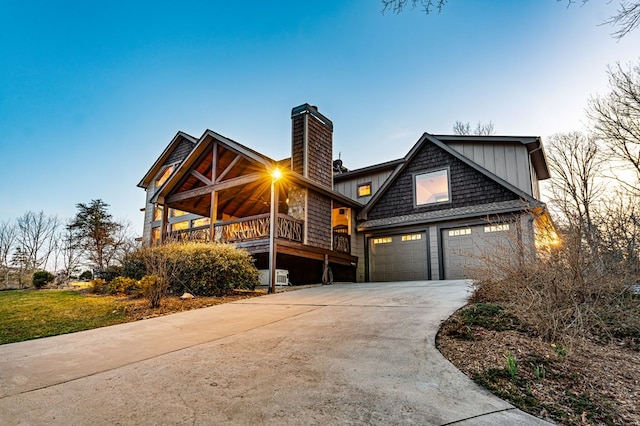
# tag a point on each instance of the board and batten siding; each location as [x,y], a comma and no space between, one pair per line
[349,187]
[508,161]
[148,215]
[435,253]
[358,247]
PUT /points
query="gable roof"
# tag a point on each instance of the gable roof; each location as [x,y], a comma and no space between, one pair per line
[201,146]
[532,143]
[367,170]
[160,162]
[261,160]
[426,139]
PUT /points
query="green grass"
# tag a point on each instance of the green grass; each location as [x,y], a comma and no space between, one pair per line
[29,314]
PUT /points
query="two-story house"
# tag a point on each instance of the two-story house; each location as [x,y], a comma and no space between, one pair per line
[450,201]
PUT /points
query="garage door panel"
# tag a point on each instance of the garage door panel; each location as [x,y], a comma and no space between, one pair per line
[466,248]
[399,260]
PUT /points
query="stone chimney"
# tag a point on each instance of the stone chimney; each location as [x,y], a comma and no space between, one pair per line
[312,144]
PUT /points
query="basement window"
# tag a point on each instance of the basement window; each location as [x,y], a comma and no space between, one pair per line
[364,189]
[432,187]
[382,240]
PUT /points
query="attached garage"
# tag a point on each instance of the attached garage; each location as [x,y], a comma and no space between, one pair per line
[400,257]
[467,247]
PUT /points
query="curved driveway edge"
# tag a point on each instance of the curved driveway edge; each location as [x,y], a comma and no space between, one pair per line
[340,354]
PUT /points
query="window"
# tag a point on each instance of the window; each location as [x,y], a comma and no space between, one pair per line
[496,228]
[432,187]
[412,237]
[364,189]
[155,234]
[382,240]
[177,213]
[164,176]
[203,221]
[458,232]
[179,226]
[157,212]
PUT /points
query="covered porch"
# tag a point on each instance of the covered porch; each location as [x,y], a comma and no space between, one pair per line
[224,192]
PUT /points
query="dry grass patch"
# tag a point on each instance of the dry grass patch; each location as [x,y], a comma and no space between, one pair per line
[586,383]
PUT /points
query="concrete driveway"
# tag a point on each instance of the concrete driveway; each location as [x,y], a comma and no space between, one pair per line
[340,354]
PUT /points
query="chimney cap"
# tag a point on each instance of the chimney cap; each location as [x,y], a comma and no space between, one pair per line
[312,110]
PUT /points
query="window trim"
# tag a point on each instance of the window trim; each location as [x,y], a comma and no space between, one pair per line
[362,185]
[496,227]
[414,188]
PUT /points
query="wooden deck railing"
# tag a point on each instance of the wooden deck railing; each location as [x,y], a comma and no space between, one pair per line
[245,229]
[342,242]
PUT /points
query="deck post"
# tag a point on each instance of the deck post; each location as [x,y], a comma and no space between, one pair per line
[273,218]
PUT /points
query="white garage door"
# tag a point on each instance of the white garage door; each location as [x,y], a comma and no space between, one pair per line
[465,248]
[398,257]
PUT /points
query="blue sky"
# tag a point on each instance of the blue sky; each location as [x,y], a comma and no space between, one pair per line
[91,92]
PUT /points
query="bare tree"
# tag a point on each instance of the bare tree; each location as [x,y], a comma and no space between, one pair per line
[616,116]
[70,251]
[35,237]
[626,18]
[481,129]
[575,163]
[7,242]
[123,243]
[427,6]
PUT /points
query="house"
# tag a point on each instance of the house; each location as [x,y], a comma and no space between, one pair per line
[429,215]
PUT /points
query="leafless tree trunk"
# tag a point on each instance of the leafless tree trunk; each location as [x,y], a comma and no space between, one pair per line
[616,116]
[7,242]
[36,233]
[70,251]
[575,163]
[122,244]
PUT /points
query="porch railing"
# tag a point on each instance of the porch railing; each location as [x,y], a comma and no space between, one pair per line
[245,229]
[342,242]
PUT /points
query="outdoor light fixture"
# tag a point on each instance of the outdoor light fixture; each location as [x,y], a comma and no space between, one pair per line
[276,174]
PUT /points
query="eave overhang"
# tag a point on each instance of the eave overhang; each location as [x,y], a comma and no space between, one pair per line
[157,166]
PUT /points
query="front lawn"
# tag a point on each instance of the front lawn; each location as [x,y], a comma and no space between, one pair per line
[30,314]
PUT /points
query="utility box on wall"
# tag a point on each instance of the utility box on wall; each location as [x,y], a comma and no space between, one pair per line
[282,277]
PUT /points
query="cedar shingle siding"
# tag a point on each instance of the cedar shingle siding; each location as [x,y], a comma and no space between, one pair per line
[320,153]
[318,220]
[467,186]
[180,152]
[297,144]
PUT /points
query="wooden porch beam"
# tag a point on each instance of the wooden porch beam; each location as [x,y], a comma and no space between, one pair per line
[201,177]
[239,181]
[228,168]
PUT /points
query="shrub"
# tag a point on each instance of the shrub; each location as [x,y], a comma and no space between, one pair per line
[133,264]
[153,288]
[202,269]
[111,272]
[86,275]
[42,278]
[97,286]
[214,269]
[122,285]
[568,292]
